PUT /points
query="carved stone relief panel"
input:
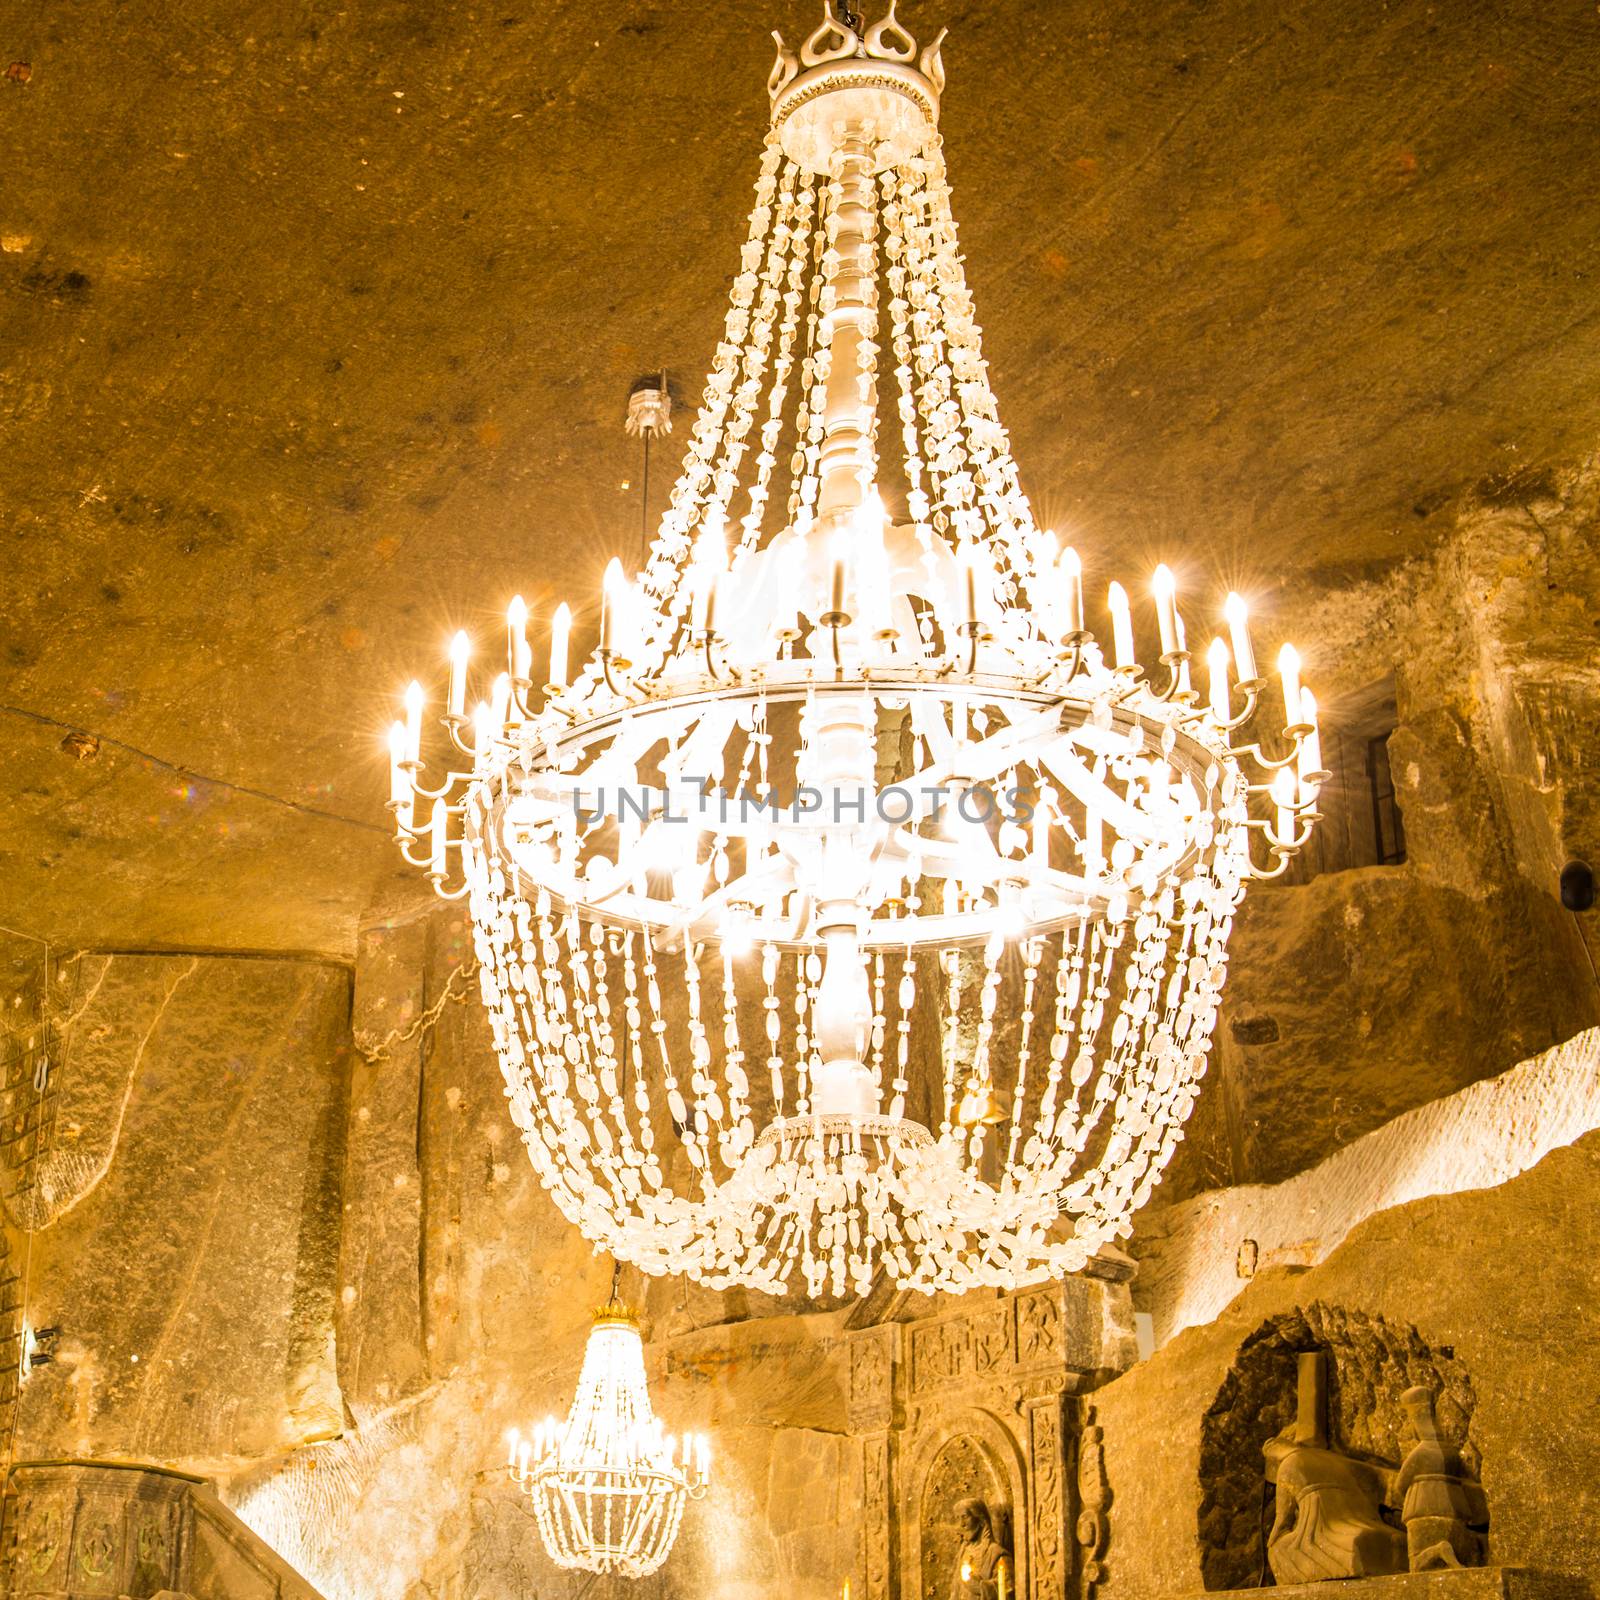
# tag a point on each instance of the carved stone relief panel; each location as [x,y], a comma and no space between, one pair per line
[83,1530]
[874,1356]
[941,1353]
[1039,1326]
[876,1531]
[97,1544]
[1094,1501]
[1047,1490]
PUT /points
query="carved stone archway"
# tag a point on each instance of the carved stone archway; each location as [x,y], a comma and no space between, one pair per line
[984,1433]
[1006,1374]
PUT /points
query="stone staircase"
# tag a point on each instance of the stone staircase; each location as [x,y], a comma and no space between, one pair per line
[91,1530]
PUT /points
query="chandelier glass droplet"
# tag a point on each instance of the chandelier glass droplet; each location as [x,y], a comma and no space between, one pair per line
[857,906]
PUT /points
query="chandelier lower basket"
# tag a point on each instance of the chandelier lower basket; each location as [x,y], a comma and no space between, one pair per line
[622,1521]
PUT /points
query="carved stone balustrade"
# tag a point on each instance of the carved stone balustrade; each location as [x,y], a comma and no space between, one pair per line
[88,1530]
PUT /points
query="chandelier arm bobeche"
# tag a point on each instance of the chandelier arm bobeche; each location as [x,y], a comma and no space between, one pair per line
[855,906]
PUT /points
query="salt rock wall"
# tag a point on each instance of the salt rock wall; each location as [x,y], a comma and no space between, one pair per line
[1363,993]
[1486,1296]
[183,1205]
[1190,1254]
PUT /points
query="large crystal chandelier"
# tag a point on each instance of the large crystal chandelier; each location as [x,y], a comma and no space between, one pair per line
[855,905]
[608,1486]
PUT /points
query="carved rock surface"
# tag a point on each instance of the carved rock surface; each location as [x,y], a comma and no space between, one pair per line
[1500,1284]
[1474,1139]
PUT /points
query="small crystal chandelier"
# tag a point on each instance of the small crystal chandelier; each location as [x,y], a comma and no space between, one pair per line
[608,1486]
[856,907]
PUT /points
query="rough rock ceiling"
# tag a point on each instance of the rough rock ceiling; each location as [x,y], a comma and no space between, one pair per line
[318,325]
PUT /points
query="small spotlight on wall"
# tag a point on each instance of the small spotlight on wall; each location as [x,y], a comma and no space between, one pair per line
[38,1347]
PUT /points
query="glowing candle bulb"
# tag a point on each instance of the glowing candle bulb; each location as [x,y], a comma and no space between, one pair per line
[500,700]
[1165,589]
[413,722]
[560,635]
[522,1459]
[969,568]
[399,778]
[872,567]
[1283,795]
[1237,615]
[1121,624]
[1308,760]
[710,562]
[1094,850]
[441,839]
[519,656]
[483,728]
[513,1441]
[460,650]
[1289,673]
[613,603]
[1071,570]
[1217,666]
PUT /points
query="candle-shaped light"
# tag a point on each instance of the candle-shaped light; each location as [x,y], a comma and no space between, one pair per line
[1283,797]
[838,554]
[500,700]
[1094,848]
[1237,615]
[1289,675]
[413,722]
[969,586]
[872,567]
[460,650]
[484,729]
[399,778]
[560,637]
[1165,589]
[710,563]
[519,657]
[1121,624]
[1308,759]
[1071,587]
[613,605]
[1217,667]
[512,1441]
[441,839]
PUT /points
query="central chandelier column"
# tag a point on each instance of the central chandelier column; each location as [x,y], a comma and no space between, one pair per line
[857,906]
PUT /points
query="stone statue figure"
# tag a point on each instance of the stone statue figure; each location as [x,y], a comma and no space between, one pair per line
[1327,1522]
[1443,1509]
[983,1564]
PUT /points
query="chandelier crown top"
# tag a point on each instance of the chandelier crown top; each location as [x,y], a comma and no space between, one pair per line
[847,73]
[616,1312]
